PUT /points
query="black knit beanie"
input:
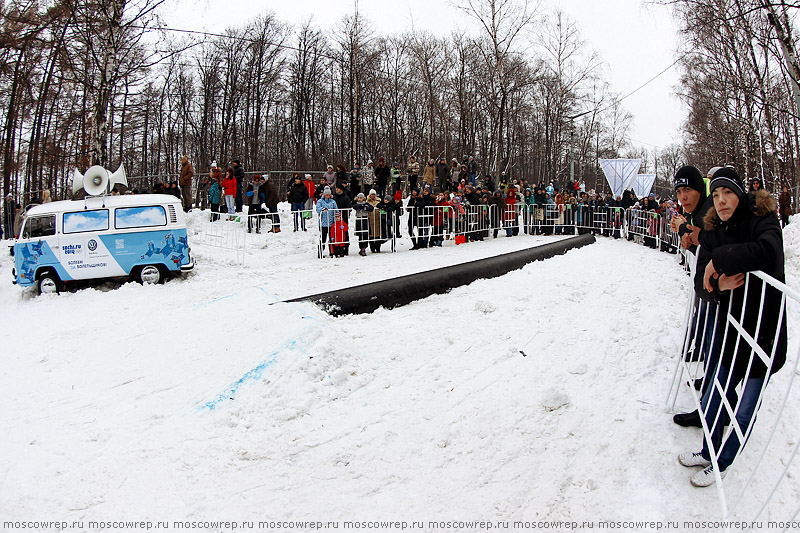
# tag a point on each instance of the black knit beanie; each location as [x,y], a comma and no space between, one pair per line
[689,176]
[727,177]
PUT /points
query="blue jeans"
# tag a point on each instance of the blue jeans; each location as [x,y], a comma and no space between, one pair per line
[299,221]
[745,412]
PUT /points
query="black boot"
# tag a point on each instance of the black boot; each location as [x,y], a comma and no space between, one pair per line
[688,419]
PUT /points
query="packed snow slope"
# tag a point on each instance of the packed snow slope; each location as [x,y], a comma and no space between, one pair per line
[208,398]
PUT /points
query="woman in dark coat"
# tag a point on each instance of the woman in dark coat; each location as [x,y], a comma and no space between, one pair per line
[742,234]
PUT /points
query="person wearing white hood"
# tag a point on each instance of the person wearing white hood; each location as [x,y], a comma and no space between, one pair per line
[326,209]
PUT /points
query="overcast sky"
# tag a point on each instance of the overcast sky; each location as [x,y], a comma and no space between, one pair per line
[636,40]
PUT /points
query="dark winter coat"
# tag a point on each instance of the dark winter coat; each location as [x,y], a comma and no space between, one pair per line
[415,207]
[298,193]
[785,202]
[238,173]
[382,174]
[271,198]
[750,240]
[442,172]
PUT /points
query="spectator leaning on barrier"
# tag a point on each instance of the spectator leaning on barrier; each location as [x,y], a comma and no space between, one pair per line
[362,210]
[691,191]
[255,198]
[415,207]
[326,208]
[742,234]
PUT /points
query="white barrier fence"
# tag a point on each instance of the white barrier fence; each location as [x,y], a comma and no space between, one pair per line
[728,399]
[439,224]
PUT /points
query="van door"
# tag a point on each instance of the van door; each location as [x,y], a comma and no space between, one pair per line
[37,247]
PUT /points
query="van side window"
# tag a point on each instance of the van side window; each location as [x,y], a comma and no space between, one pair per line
[81,221]
[139,217]
[43,226]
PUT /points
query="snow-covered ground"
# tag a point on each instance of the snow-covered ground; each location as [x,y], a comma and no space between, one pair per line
[208,399]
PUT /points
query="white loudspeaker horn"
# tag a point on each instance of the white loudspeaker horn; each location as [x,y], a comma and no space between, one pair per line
[119,177]
[95,181]
[77,181]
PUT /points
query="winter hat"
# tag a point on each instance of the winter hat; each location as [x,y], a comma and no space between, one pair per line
[326,190]
[372,192]
[759,180]
[727,177]
[398,195]
[689,176]
[387,198]
[711,171]
[360,196]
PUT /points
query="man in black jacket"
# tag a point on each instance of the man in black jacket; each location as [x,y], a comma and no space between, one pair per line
[297,196]
[382,174]
[343,202]
[415,207]
[443,174]
[691,191]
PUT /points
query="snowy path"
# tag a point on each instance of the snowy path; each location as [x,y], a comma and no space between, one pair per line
[425,412]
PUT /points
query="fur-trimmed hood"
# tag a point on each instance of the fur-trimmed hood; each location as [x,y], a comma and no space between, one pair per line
[759,204]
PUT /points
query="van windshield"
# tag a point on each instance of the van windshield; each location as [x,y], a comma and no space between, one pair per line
[41,226]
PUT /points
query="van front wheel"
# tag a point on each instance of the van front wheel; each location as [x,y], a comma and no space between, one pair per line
[48,283]
[150,275]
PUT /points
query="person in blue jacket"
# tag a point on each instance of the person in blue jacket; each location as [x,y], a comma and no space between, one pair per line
[326,209]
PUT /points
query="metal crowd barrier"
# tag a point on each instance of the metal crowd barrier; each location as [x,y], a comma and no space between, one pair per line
[341,230]
[438,225]
[717,394]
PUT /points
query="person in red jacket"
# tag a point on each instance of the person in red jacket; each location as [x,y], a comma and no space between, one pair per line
[312,188]
[441,213]
[510,213]
[340,240]
[229,186]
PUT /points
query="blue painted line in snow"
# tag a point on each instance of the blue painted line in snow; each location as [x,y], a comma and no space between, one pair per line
[252,375]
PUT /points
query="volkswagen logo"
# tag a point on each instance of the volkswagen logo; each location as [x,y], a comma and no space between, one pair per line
[92,244]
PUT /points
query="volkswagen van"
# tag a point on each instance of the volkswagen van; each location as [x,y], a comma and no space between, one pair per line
[139,236]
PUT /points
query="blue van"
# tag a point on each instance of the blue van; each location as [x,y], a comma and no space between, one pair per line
[140,236]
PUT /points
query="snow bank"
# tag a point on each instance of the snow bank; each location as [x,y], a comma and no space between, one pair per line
[209,398]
